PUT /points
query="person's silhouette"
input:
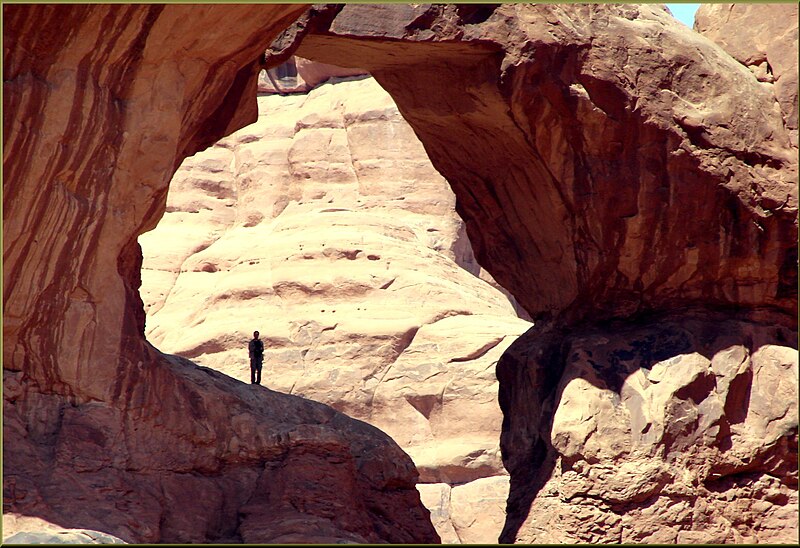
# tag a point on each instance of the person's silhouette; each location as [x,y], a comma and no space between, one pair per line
[256,350]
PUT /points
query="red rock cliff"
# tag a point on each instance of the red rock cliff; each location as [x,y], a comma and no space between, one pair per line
[102,431]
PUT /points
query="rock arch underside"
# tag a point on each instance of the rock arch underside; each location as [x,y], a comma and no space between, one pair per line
[631,183]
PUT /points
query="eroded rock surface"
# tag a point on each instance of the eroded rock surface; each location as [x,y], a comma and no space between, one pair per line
[468,513]
[696,205]
[607,162]
[19,529]
[764,38]
[680,428]
[101,431]
[275,468]
[325,227]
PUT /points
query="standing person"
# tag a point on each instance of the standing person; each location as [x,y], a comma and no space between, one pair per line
[256,349]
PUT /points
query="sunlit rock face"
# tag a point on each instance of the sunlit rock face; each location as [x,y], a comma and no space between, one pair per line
[325,227]
[19,529]
[764,38]
[679,429]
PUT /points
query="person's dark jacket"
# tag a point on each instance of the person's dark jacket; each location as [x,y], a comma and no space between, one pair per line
[256,349]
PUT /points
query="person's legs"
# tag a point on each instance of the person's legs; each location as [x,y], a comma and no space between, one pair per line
[258,373]
[252,372]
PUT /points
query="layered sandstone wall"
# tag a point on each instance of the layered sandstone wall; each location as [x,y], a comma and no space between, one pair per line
[102,431]
[609,165]
[325,227]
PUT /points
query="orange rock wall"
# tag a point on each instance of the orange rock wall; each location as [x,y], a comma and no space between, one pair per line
[84,109]
[608,164]
[102,431]
[764,38]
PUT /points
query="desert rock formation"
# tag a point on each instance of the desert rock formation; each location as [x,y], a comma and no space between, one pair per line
[548,95]
[764,38]
[678,430]
[325,227]
[609,164]
[96,123]
[653,177]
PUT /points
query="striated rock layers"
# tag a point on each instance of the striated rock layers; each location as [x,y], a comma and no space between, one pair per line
[615,171]
[325,227]
[101,431]
[633,186]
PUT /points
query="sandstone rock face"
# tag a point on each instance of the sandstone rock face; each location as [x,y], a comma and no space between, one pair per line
[73,536]
[679,430]
[325,227]
[19,529]
[609,164]
[277,468]
[764,38]
[150,448]
[469,513]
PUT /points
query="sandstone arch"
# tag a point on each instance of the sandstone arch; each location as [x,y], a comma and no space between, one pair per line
[567,113]
[540,133]
[535,133]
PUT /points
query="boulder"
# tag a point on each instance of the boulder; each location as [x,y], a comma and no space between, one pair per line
[468,513]
[675,429]
[19,529]
[253,465]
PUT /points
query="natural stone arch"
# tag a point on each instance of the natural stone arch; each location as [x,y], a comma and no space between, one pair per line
[548,120]
[101,119]
[77,194]
[597,193]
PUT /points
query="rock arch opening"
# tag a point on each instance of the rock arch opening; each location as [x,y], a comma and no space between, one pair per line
[561,124]
[325,227]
